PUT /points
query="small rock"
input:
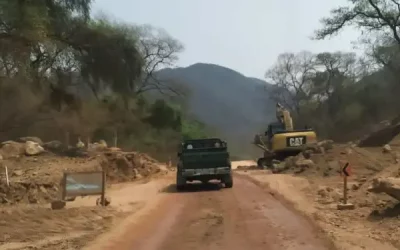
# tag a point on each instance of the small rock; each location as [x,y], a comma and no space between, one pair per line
[32,199]
[307,154]
[43,189]
[326,144]
[18,173]
[362,179]
[274,166]
[98,146]
[334,165]
[4,200]
[103,143]
[274,161]
[355,186]
[56,205]
[386,148]
[365,203]
[315,148]
[290,162]
[304,163]
[107,201]
[322,192]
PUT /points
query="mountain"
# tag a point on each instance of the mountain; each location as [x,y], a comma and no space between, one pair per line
[236,107]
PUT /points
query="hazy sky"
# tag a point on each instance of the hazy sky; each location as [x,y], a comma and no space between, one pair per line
[245,35]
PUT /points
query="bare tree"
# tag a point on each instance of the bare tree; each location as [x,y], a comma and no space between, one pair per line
[336,71]
[371,16]
[159,50]
[293,74]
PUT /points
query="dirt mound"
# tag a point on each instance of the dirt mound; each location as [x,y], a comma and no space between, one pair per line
[380,137]
[373,187]
[363,162]
[129,166]
[36,179]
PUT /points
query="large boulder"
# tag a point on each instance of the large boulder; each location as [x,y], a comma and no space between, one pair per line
[389,185]
[98,146]
[33,148]
[11,149]
[380,137]
[31,138]
[54,146]
[326,144]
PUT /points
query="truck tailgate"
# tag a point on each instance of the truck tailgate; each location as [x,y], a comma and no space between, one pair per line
[205,160]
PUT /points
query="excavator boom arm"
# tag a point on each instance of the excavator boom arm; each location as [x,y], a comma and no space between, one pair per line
[283,116]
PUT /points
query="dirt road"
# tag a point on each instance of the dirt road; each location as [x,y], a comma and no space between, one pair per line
[207,217]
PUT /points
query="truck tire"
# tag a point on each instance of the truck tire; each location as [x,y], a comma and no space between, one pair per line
[180,182]
[261,162]
[228,181]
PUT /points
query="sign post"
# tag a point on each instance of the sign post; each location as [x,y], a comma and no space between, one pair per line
[7,178]
[346,172]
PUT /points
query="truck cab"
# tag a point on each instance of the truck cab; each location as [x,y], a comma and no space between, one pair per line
[203,160]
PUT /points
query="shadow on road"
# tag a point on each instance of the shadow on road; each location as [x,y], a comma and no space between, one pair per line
[389,212]
[193,187]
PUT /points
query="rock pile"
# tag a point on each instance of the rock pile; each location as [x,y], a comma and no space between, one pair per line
[35,168]
[127,166]
[27,192]
[389,185]
[302,161]
[12,149]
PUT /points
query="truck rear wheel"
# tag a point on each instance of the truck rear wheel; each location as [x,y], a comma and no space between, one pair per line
[180,182]
[228,181]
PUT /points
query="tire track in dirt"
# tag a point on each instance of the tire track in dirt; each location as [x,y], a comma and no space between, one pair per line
[206,217]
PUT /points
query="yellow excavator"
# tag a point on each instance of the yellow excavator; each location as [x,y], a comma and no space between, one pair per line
[281,139]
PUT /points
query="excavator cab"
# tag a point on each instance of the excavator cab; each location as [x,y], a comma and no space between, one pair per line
[281,139]
[273,128]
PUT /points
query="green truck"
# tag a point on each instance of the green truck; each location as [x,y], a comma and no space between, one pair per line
[203,160]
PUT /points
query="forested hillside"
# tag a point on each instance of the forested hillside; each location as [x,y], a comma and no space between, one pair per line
[65,75]
[232,105]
